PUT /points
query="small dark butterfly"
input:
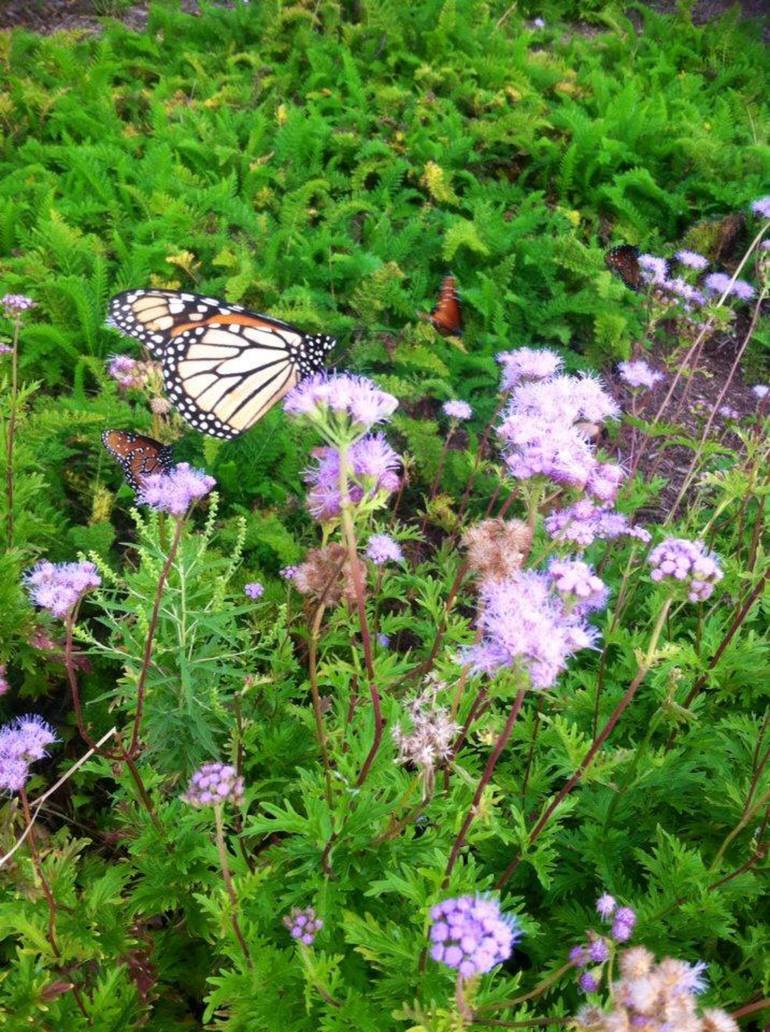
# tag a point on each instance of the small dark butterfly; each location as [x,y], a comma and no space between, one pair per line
[446,316]
[139,456]
[624,260]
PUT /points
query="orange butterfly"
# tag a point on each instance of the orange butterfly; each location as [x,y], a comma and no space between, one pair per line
[446,316]
[139,456]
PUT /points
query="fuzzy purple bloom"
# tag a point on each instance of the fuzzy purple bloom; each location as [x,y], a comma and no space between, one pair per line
[381,549]
[605,906]
[374,469]
[527,364]
[214,784]
[719,282]
[289,572]
[584,522]
[654,269]
[58,587]
[383,641]
[342,401]
[623,925]
[588,983]
[22,741]
[5,349]
[303,924]
[686,291]
[604,481]
[459,410]
[15,304]
[761,207]
[125,371]
[578,955]
[471,934]
[639,374]
[760,390]
[254,590]
[691,259]
[578,585]
[526,625]
[688,562]
[175,492]
[598,951]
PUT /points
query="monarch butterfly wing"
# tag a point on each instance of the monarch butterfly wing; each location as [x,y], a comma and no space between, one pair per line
[225,375]
[624,260]
[139,456]
[447,316]
[155,317]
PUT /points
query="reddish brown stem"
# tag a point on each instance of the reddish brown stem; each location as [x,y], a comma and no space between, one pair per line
[486,777]
[141,684]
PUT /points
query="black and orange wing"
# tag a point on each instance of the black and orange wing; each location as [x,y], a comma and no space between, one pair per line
[447,316]
[138,455]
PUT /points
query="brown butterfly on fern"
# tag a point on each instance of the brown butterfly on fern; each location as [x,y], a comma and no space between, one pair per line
[139,456]
[224,367]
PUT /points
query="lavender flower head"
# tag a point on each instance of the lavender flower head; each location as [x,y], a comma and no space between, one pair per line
[459,410]
[639,374]
[22,741]
[623,924]
[381,549]
[604,481]
[526,625]
[174,492]
[303,924]
[654,269]
[719,282]
[341,406]
[606,906]
[254,590]
[374,469]
[15,304]
[691,259]
[471,934]
[760,390]
[214,784]
[761,207]
[133,374]
[527,364]
[588,982]
[578,585]
[584,522]
[688,562]
[58,587]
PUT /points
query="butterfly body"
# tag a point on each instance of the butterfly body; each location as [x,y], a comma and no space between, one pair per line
[447,317]
[138,455]
[224,367]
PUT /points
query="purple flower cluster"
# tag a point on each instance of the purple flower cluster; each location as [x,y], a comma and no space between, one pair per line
[303,924]
[374,475]
[132,374]
[688,562]
[761,207]
[598,949]
[382,548]
[471,934]
[584,522]
[543,428]
[526,624]
[254,590]
[15,304]
[23,741]
[760,390]
[716,283]
[174,492]
[692,259]
[214,784]
[654,269]
[578,585]
[527,364]
[459,410]
[57,587]
[340,403]
[5,349]
[639,374]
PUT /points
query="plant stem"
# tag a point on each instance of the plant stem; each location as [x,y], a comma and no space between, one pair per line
[309,966]
[349,534]
[484,780]
[228,879]
[538,990]
[598,742]
[134,747]
[317,711]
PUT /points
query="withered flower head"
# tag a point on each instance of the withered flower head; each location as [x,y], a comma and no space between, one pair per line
[327,575]
[497,548]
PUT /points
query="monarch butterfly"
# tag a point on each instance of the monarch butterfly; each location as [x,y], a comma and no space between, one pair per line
[624,260]
[139,456]
[223,366]
[446,316]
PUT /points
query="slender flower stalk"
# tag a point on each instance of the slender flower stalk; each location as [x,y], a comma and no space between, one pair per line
[642,671]
[228,880]
[484,780]
[10,432]
[320,731]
